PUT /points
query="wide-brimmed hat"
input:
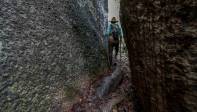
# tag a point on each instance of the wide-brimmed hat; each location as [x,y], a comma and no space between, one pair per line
[113,20]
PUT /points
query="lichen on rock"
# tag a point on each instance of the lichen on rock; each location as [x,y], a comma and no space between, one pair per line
[47,45]
[161,40]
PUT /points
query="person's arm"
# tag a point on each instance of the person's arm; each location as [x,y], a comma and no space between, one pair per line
[120,31]
[108,30]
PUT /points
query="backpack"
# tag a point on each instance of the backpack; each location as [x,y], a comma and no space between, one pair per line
[115,31]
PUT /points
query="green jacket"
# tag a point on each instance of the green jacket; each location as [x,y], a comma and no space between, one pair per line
[115,26]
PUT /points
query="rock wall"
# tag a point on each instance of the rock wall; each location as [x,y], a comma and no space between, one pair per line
[46,48]
[162,42]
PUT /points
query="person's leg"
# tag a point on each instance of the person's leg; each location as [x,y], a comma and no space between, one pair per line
[110,52]
[116,49]
[113,46]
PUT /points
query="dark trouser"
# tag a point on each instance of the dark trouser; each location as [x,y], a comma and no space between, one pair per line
[111,48]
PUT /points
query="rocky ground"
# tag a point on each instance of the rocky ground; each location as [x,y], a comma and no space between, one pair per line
[113,99]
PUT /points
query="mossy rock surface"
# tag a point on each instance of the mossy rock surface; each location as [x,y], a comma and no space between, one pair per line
[46,46]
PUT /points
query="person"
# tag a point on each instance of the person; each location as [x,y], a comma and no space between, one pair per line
[115,34]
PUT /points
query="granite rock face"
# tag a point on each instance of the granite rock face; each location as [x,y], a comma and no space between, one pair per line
[162,42]
[47,46]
